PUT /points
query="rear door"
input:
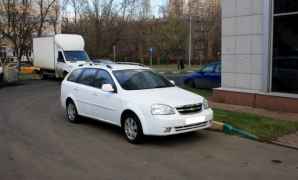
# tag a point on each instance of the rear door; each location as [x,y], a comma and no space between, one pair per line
[84,92]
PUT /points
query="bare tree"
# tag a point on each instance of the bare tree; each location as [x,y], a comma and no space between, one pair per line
[45,7]
[17,24]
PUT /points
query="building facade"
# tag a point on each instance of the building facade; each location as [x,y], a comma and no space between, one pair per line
[51,25]
[259,54]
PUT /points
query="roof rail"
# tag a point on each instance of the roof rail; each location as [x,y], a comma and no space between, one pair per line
[108,66]
[131,63]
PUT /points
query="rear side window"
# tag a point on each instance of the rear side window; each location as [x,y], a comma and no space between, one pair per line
[74,75]
[87,77]
[208,68]
[102,77]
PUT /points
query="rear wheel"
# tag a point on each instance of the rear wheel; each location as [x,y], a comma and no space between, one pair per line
[132,129]
[71,112]
[191,83]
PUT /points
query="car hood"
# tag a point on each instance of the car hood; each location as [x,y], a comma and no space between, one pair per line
[172,96]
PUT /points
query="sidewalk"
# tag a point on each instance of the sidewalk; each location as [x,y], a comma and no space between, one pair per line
[290,140]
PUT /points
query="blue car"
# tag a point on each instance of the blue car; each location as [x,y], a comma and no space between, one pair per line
[208,77]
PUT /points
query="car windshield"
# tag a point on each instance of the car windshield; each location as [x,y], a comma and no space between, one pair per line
[141,79]
[74,56]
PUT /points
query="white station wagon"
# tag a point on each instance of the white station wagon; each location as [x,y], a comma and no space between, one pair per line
[135,98]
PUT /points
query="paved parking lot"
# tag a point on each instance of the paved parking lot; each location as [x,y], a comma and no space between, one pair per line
[37,143]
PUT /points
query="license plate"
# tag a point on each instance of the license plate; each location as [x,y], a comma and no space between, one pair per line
[195,120]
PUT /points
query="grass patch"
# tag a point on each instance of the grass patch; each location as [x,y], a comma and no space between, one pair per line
[263,127]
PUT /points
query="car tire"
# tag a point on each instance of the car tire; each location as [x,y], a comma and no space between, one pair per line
[132,129]
[191,83]
[71,112]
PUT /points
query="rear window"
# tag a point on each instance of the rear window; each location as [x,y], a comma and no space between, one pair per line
[87,77]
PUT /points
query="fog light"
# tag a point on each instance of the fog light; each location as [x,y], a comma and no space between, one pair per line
[167,130]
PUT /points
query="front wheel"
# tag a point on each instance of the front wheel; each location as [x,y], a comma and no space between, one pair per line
[132,129]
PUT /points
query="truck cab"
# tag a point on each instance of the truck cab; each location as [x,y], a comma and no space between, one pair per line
[67,60]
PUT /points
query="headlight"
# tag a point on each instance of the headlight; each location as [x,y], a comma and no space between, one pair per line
[205,104]
[160,109]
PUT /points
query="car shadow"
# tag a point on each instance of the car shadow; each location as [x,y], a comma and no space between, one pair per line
[177,140]
[15,84]
[103,126]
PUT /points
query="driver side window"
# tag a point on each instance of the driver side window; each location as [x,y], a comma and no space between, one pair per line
[103,77]
[60,57]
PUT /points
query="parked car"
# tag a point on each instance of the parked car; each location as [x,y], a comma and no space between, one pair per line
[134,98]
[59,54]
[208,77]
[102,61]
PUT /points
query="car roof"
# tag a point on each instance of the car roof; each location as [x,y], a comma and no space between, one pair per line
[114,67]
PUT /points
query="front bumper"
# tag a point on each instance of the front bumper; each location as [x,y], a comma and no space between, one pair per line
[177,124]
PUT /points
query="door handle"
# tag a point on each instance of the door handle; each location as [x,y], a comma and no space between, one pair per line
[76,89]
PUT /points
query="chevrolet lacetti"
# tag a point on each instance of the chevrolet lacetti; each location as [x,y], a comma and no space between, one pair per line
[135,98]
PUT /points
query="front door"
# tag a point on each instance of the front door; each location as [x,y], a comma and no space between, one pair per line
[108,105]
[60,65]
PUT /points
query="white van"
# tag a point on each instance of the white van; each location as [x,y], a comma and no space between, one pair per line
[59,54]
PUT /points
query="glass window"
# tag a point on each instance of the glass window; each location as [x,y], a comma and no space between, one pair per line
[60,57]
[87,77]
[141,79]
[76,56]
[218,68]
[208,68]
[285,6]
[74,75]
[285,51]
[102,77]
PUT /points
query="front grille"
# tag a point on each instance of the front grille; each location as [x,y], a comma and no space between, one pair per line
[192,126]
[188,109]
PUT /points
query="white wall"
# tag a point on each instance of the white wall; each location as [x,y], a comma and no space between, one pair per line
[243,44]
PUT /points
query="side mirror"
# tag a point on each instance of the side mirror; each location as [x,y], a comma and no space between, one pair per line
[173,82]
[107,88]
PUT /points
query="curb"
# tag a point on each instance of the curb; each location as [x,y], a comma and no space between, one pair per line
[282,145]
[228,129]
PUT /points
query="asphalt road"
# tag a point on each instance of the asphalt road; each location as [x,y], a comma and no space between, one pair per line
[37,143]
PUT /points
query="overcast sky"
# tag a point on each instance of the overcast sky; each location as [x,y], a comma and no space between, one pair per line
[155,4]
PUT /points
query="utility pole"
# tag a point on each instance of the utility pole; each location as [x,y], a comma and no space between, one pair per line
[190,42]
[114,52]
[151,56]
